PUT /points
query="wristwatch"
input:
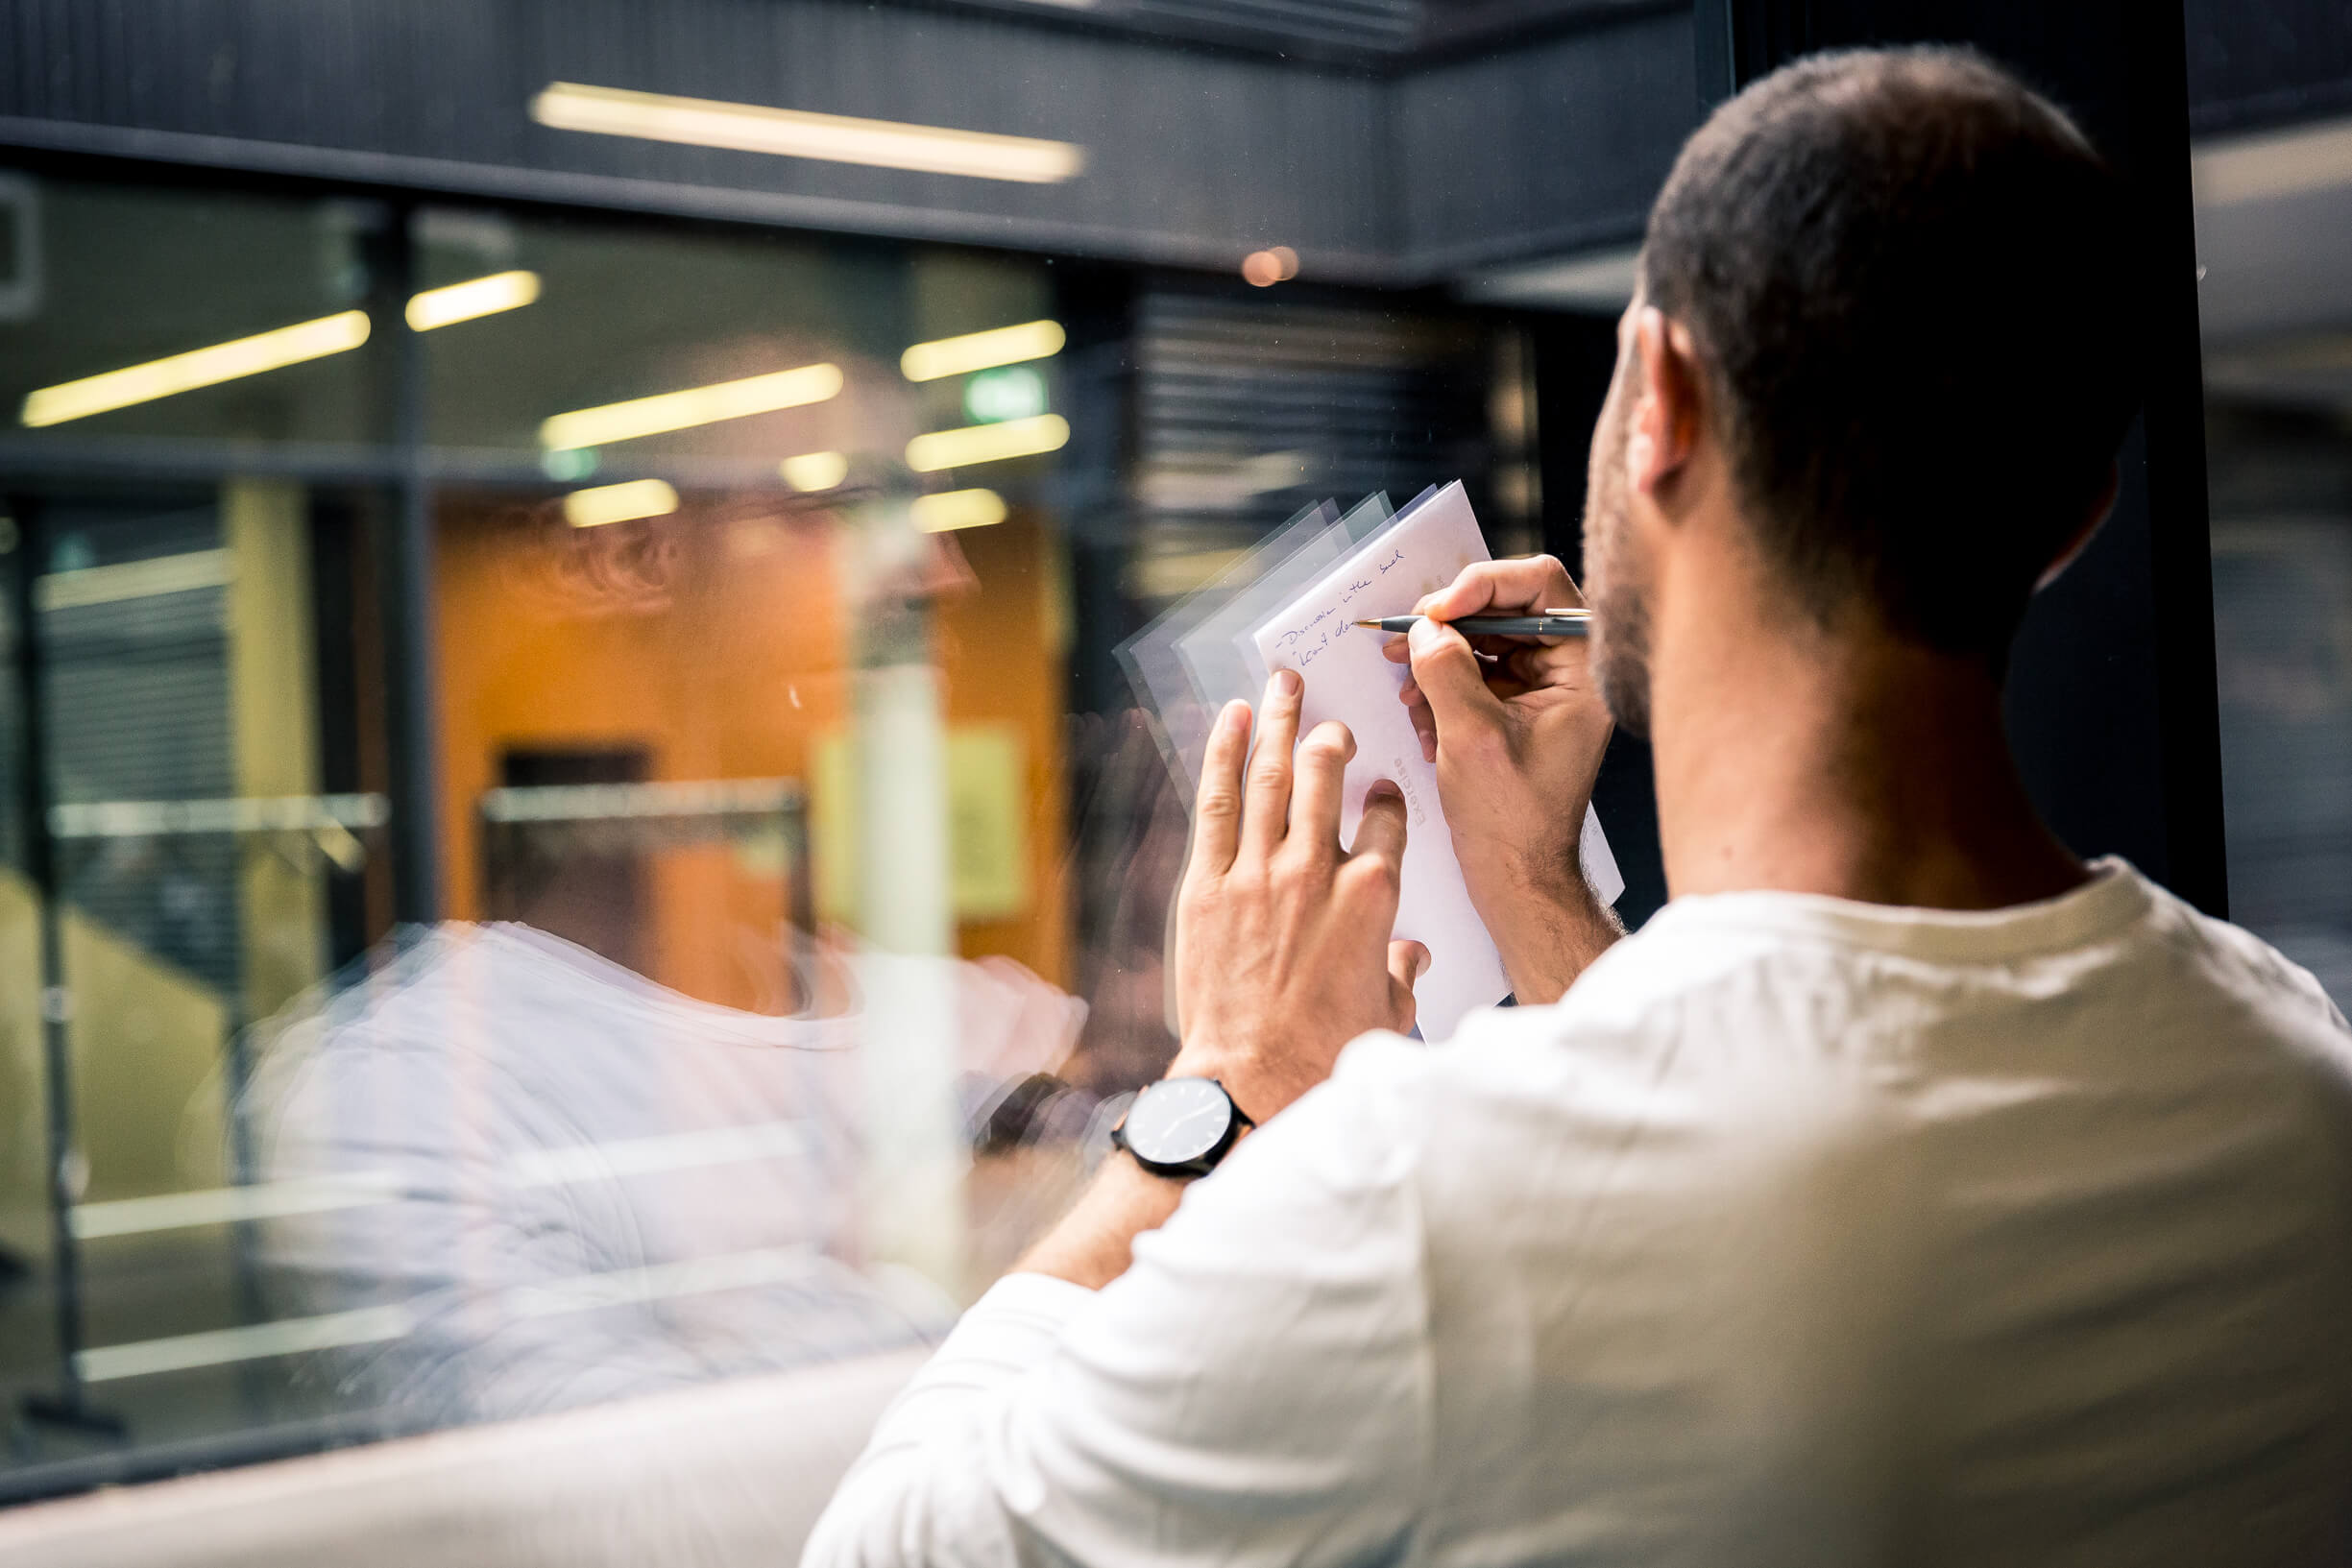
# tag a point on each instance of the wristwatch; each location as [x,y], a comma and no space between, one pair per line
[1180,1127]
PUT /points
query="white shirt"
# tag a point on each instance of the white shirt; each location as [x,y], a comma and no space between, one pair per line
[1800,1231]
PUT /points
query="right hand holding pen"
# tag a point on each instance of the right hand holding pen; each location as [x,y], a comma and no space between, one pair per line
[1517,744]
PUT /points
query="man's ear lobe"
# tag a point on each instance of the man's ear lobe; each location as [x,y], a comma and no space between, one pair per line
[2089,531]
[1666,410]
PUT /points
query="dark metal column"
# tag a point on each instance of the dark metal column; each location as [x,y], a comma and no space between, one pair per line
[2112,703]
[66,1172]
[404,576]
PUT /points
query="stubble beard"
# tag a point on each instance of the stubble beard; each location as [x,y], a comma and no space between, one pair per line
[1614,580]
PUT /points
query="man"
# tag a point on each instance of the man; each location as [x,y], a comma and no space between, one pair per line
[1906,1191]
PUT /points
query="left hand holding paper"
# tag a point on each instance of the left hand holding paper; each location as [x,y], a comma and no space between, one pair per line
[1282,951]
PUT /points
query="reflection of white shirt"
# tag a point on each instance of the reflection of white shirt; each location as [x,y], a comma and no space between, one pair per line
[1802,1231]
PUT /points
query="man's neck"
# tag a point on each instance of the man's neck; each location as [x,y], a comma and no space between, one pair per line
[1862,766]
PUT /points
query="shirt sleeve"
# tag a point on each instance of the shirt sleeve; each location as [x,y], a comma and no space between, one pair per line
[1254,1389]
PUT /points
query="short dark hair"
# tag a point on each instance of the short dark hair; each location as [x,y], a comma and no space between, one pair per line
[1909,279]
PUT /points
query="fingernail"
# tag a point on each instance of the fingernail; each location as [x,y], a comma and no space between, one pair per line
[1289,682]
[1381,789]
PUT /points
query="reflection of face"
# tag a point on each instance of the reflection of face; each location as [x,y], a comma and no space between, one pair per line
[1615,576]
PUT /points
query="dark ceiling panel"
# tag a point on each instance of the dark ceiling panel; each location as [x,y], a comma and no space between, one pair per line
[2264,62]
[1193,157]
[1551,148]
[1506,131]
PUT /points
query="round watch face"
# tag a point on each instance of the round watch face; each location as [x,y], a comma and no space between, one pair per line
[1177,1120]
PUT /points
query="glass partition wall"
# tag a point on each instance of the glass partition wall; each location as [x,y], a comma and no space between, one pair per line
[195,816]
[802,872]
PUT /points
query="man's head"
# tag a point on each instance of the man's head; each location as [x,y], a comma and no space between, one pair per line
[1889,289]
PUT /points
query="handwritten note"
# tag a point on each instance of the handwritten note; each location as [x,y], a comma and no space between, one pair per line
[1346,679]
[1424,548]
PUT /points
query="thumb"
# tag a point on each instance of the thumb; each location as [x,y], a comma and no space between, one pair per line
[1408,962]
[1447,673]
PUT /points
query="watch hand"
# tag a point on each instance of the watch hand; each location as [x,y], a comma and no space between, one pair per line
[1191,1117]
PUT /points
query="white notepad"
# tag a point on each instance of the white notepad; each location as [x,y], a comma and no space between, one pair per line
[1423,549]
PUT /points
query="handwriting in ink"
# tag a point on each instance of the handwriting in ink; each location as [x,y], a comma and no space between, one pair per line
[1307,655]
[1290,637]
[1392,561]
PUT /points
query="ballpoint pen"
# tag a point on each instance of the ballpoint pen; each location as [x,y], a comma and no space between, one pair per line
[1546,623]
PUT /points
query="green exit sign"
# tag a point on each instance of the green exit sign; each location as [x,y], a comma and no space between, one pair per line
[1014,392]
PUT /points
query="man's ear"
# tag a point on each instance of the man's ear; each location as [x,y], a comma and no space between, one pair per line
[1666,407]
[2082,540]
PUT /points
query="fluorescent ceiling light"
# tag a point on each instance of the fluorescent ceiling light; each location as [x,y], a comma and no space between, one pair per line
[609,422]
[2274,163]
[620,504]
[220,1347]
[158,574]
[1167,488]
[1598,282]
[197,368]
[269,350]
[978,351]
[958,509]
[837,138]
[475,297]
[815,471]
[986,442]
[1165,576]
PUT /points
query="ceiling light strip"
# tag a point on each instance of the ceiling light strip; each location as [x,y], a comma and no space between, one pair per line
[789,133]
[982,351]
[472,299]
[620,504]
[602,425]
[2273,164]
[987,443]
[954,509]
[197,368]
[271,350]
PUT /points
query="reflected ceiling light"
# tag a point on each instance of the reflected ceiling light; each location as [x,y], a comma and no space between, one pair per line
[197,368]
[472,298]
[987,443]
[602,425]
[2273,164]
[958,509]
[837,138]
[979,351]
[815,471]
[620,504]
[1266,268]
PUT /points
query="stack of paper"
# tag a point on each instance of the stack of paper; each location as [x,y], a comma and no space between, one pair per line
[1292,603]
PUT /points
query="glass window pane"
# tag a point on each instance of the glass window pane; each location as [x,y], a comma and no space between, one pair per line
[195,812]
[187,316]
[804,858]
[2282,590]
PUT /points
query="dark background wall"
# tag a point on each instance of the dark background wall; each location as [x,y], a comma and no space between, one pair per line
[1196,153]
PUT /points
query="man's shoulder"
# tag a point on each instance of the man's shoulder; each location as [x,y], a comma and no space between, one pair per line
[2284,997]
[2243,959]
